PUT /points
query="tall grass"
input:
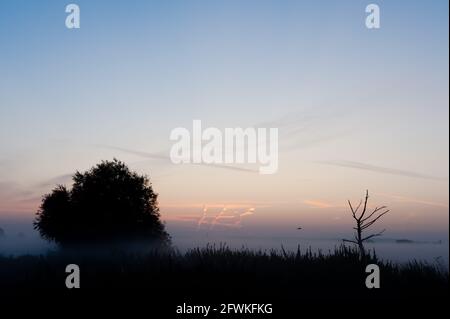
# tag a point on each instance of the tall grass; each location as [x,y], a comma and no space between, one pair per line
[218,272]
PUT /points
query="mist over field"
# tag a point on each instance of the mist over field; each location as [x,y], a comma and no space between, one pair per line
[20,238]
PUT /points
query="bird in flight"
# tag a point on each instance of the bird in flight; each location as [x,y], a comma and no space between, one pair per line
[299,228]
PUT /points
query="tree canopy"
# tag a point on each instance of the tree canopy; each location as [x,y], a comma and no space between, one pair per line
[106,203]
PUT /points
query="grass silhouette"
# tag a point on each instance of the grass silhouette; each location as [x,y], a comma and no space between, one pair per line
[219,273]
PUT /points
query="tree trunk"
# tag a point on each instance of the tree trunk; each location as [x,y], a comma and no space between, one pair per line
[362,251]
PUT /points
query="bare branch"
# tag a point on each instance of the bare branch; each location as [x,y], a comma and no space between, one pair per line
[374,220]
[349,241]
[374,235]
[354,211]
[359,205]
[365,205]
[377,209]
[351,208]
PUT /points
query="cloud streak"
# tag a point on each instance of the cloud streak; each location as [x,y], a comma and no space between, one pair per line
[58,180]
[161,156]
[404,199]
[317,204]
[380,169]
[306,129]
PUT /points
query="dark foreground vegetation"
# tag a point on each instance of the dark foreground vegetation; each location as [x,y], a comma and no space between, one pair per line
[161,280]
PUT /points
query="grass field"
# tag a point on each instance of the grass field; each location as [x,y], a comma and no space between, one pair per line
[217,274]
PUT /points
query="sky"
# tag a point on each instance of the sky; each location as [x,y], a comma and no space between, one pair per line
[356,108]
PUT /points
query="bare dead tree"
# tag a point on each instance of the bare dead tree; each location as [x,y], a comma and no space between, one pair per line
[363,222]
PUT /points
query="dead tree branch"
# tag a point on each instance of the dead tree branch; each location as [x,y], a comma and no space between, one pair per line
[363,223]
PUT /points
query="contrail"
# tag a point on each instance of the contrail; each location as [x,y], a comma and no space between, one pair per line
[161,156]
[380,169]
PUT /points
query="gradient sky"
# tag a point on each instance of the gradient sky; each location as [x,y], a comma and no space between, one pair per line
[356,108]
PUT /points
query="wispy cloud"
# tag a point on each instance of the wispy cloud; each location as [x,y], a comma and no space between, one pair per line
[404,199]
[229,205]
[380,169]
[307,129]
[58,180]
[15,198]
[301,120]
[317,204]
[183,218]
[11,190]
[150,155]
[166,158]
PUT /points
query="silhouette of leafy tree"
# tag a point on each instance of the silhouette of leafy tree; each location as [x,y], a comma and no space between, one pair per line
[106,203]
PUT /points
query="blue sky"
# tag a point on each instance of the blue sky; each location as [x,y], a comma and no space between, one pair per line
[351,103]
